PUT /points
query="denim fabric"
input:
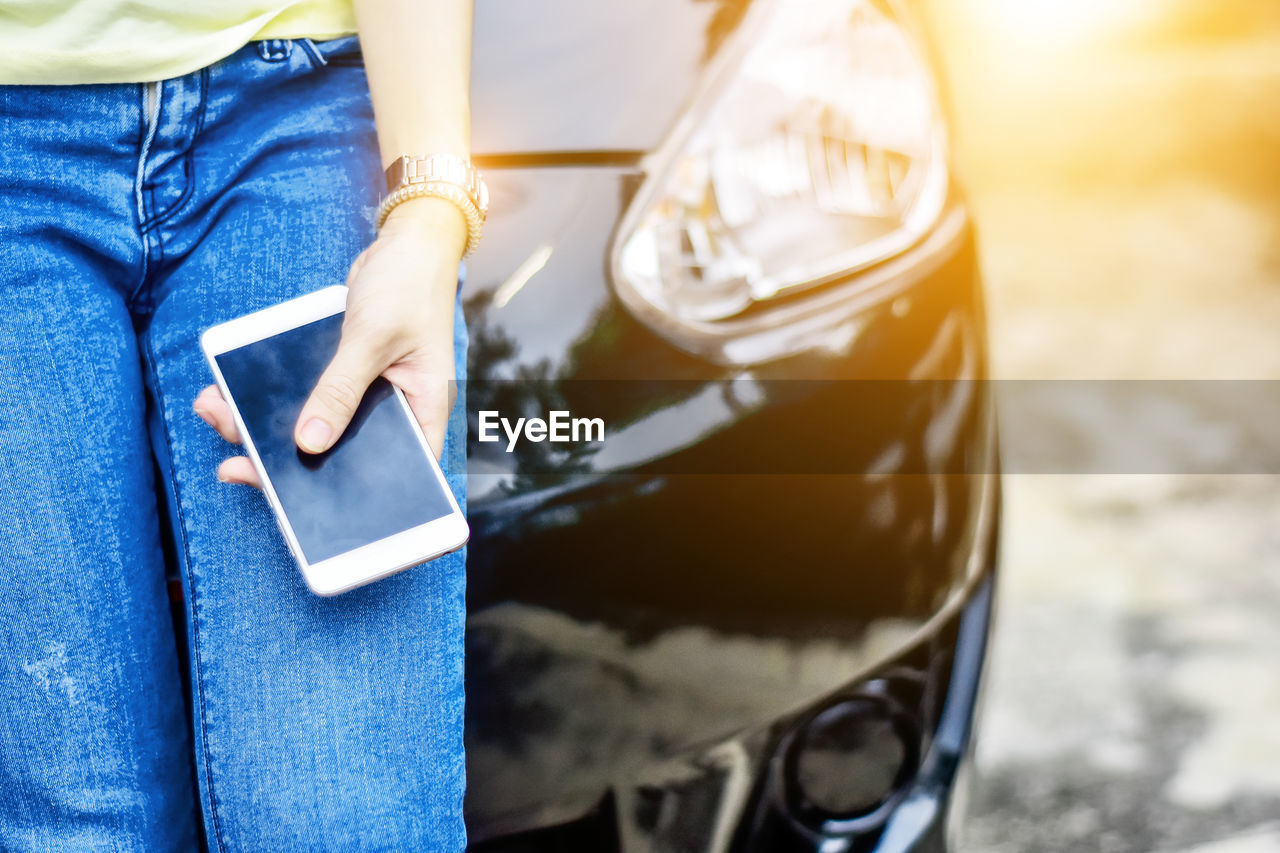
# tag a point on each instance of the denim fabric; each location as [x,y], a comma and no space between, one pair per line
[131,223]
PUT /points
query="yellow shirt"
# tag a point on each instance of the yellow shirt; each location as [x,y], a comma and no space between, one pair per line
[134,41]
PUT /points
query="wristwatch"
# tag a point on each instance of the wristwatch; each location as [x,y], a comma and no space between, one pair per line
[446,176]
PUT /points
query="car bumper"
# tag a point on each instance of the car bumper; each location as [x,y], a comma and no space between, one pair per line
[719,800]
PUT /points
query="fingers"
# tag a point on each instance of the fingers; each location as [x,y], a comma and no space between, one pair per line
[432,413]
[341,387]
[429,388]
[214,411]
[238,469]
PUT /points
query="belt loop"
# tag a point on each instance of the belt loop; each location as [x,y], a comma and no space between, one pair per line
[309,48]
[275,50]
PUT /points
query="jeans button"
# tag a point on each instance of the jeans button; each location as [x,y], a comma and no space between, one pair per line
[274,50]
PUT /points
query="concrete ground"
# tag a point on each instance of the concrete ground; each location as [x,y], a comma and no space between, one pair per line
[1123,161]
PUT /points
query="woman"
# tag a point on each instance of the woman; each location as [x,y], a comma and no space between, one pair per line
[135,215]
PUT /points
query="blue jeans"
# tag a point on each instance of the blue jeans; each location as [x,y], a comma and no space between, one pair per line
[134,217]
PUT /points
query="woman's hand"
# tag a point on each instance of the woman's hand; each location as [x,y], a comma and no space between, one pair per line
[398,324]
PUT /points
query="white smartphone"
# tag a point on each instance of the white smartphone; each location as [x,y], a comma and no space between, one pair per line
[374,503]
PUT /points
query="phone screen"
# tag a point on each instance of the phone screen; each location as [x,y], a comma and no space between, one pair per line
[374,483]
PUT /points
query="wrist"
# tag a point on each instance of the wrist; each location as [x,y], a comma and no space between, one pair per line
[432,218]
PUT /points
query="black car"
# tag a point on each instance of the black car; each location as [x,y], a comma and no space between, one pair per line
[754,616]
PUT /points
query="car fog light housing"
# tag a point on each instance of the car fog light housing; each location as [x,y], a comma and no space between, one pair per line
[817,150]
[849,763]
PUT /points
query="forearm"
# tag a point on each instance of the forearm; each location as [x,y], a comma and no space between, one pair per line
[418,57]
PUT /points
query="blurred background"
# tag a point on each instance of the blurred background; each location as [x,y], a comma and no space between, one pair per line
[1123,162]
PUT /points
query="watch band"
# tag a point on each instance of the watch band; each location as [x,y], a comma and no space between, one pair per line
[444,168]
[445,176]
[438,189]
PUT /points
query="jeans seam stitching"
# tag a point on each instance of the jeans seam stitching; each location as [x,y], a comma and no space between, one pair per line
[194,606]
[188,158]
[150,126]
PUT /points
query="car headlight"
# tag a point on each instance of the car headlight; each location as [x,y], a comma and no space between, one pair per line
[817,150]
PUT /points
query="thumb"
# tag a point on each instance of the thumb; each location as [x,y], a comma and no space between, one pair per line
[333,402]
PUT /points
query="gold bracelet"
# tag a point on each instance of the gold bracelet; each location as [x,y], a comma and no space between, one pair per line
[439,189]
